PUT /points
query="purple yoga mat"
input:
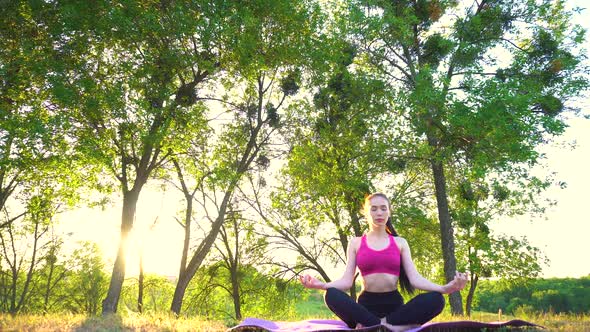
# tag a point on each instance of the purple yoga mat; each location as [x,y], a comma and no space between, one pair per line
[323,325]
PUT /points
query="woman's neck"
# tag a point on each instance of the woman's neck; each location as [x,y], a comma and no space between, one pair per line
[377,231]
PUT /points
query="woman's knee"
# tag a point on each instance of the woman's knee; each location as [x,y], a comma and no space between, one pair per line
[437,300]
[332,294]
[335,297]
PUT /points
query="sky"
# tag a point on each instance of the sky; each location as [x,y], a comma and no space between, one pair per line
[561,233]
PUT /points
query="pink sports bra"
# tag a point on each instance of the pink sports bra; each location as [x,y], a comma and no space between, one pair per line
[387,260]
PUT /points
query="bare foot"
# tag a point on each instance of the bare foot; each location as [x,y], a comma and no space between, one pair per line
[358,326]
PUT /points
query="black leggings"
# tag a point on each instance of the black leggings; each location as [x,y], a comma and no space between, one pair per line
[372,306]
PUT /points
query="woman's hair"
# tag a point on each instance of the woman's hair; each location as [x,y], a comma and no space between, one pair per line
[403,277]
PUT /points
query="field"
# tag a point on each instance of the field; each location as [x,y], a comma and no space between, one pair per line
[569,323]
[313,308]
[79,323]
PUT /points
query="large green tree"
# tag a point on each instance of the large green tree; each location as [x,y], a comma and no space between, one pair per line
[482,82]
[276,43]
[33,142]
[129,81]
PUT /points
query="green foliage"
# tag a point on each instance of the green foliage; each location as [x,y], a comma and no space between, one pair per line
[60,284]
[539,295]
[337,156]
[480,93]
[88,282]
[158,291]
[209,297]
[490,121]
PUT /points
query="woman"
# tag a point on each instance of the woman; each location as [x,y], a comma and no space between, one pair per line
[384,260]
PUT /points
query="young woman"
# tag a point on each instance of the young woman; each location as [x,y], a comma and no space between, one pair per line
[384,261]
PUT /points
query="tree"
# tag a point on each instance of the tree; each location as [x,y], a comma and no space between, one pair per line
[485,255]
[239,248]
[275,42]
[241,145]
[87,281]
[52,274]
[342,156]
[23,247]
[126,106]
[554,295]
[209,296]
[286,230]
[462,101]
[33,140]
[157,290]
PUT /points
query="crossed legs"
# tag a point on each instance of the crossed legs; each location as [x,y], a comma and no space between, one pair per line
[417,311]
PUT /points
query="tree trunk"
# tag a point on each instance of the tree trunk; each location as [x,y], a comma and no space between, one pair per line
[14,275]
[109,304]
[25,289]
[48,288]
[187,232]
[199,256]
[446,233]
[140,284]
[469,301]
[236,292]
[251,151]
[179,291]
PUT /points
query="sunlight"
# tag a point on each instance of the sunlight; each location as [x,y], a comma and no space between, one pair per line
[161,242]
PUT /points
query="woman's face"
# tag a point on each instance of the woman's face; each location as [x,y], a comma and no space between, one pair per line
[378,210]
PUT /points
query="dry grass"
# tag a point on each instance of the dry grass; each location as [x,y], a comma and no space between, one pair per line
[559,322]
[551,322]
[113,323]
[78,323]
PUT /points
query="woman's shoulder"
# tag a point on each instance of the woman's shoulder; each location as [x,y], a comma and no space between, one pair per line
[401,242]
[355,242]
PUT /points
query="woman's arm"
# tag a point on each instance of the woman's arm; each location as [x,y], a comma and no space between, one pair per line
[418,281]
[345,282]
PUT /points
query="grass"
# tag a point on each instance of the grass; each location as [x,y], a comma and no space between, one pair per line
[313,307]
[559,322]
[551,322]
[114,323]
[79,323]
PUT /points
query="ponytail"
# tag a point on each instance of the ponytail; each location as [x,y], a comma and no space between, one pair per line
[389,227]
[403,277]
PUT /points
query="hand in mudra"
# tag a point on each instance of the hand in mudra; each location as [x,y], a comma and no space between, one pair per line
[457,284]
[311,282]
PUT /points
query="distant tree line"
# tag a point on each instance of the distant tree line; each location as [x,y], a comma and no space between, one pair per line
[554,295]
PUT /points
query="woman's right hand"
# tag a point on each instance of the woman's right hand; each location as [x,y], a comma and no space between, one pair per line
[311,282]
[457,284]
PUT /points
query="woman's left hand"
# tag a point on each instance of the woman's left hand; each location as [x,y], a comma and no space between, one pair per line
[457,284]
